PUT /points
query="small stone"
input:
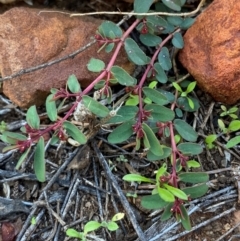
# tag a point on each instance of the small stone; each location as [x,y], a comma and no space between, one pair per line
[212,51]
[29,38]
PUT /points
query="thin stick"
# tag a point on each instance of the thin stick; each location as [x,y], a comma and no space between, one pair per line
[143,14]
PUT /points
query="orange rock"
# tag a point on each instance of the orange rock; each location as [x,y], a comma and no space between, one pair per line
[212,51]
[28,39]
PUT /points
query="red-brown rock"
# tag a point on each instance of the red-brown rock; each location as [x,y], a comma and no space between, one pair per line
[28,39]
[212,51]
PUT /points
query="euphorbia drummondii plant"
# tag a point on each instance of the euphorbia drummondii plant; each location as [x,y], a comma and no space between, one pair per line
[154,116]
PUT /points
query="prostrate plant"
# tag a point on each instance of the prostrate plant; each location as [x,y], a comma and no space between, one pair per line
[153,118]
[94,225]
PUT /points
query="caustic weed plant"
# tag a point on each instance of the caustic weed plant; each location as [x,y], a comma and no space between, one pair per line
[155,115]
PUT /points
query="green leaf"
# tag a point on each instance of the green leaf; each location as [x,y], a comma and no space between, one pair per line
[91,226]
[177,87]
[112,226]
[95,107]
[160,172]
[160,75]
[187,23]
[32,117]
[191,87]
[210,138]
[125,113]
[122,76]
[133,100]
[12,138]
[73,84]
[234,125]
[176,192]
[185,130]
[173,4]
[135,54]
[22,158]
[164,59]
[110,30]
[166,153]
[194,177]
[175,20]
[177,40]
[183,103]
[193,163]
[196,191]
[142,6]
[190,149]
[74,132]
[185,218]
[73,233]
[122,132]
[109,47]
[155,148]
[136,178]
[167,212]
[153,202]
[39,162]
[51,108]
[118,217]
[150,40]
[95,65]
[165,195]
[160,113]
[154,95]
[233,142]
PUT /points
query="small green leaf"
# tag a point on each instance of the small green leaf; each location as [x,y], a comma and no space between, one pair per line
[160,75]
[155,148]
[39,162]
[12,138]
[112,226]
[234,125]
[185,130]
[91,226]
[73,84]
[153,202]
[122,76]
[176,192]
[166,195]
[196,191]
[161,171]
[164,59]
[210,138]
[185,218]
[166,153]
[133,100]
[173,4]
[136,178]
[125,113]
[73,233]
[109,47]
[194,177]
[95,65]
[177,40]
[118,217]
[191,87]
[187,23]
[233,142]
[32,117]
[122,132]
[190,149]
[150,40]
[22,158]
[110,30]
[175,20]
[167,212]
[95,107]
[74,132]
[51,108]
[177,87]
[193,163]
[154,95]
[160,113]
[183,103]
[135,54]
[142,6]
